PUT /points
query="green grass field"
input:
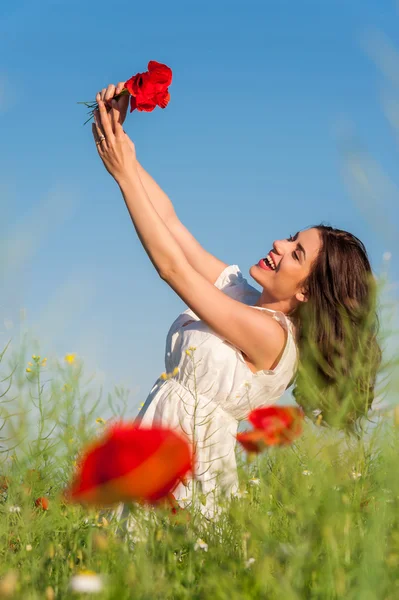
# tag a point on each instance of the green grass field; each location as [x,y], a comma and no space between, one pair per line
[318,519]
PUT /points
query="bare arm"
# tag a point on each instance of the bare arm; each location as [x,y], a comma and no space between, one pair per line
[253,332]
[202,261]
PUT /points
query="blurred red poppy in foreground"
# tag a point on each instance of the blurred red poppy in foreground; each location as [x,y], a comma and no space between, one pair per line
[274,426]
[150,89]
[130,463]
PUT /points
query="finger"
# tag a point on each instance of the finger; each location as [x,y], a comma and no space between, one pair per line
[99,95]
[106,122]
[99,128]
[116,120]
[110,92]
[123,106]
[97,123]
[119,87]
[94,131]
[112,109]
[102,94]
[96,138]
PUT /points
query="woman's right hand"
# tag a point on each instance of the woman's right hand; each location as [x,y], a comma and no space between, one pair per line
[119,110]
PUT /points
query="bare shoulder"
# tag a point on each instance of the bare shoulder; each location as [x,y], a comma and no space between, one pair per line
[273,338]
[255,332]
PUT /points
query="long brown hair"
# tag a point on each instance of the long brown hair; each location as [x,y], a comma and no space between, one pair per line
[337,328]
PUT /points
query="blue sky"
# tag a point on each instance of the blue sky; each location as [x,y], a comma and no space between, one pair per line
[277,121]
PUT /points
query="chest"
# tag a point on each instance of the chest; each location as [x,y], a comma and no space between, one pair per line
[198,325]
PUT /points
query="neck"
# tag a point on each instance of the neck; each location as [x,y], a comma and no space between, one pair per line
[284,306]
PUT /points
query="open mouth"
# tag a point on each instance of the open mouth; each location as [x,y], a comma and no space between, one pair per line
[267,263]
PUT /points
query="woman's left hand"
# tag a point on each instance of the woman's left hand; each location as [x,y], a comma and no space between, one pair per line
[114,146]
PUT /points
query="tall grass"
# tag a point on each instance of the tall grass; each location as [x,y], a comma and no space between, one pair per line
[318,519]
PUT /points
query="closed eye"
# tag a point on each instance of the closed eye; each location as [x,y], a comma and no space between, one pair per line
[293,238]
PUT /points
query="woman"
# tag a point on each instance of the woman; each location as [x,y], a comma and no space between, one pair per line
[234,348]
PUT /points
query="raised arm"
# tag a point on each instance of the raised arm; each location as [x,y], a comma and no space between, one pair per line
[200,259]
[253,332]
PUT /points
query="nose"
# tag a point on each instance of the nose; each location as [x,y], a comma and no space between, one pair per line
[278,246]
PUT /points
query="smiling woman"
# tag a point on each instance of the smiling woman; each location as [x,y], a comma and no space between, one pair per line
[236,349]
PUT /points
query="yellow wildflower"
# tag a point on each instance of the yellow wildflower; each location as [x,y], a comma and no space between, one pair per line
[30,364]
[44,362]
[49,593]
[70,358]
[100,541]
[191,350]
[28,370]
[100,421]
[165,376]
[8,584]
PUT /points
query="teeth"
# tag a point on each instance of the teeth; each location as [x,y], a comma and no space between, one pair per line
[270,261]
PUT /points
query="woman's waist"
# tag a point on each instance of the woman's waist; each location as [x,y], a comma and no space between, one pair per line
[186,396]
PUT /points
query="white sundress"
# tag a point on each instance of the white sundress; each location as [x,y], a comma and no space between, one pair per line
[214,390]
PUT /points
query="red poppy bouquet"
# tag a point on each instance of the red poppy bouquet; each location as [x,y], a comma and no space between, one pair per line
[147,90]
[273,426]
[129,463]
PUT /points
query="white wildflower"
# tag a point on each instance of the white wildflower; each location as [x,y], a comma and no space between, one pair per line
[249,562]
[28,547]
[86,582]
[306,472]
[254,481]
[14,509]
[240,494]
[355,475]
[201,545]
[184,502]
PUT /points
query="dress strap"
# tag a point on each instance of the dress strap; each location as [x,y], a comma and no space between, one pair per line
[279,316]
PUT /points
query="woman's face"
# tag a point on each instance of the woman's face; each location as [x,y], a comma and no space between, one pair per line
[286,266]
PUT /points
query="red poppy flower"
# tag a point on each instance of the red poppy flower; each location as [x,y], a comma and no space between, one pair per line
[3,484]
[150,89]
[274,426]
[42,503]
[131,463]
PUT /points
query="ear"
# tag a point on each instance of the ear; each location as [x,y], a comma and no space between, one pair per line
[301,296]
